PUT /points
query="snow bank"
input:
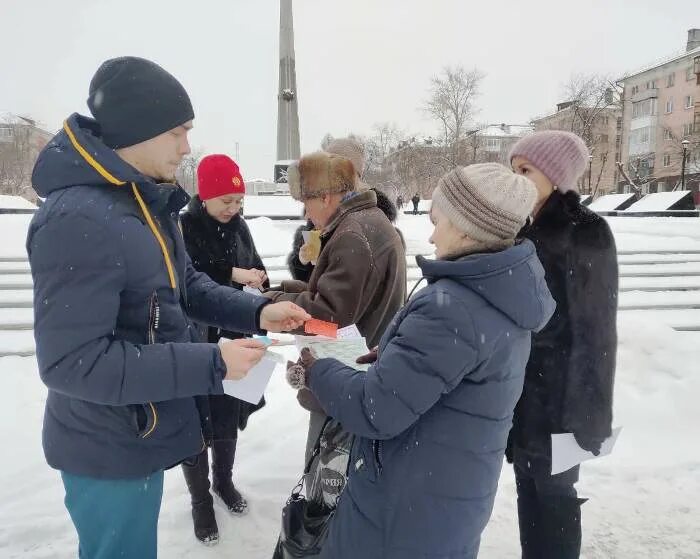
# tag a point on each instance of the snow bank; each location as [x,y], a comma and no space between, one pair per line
[272,206]
[610,202]
[13,235]
[15,203]
[659,201]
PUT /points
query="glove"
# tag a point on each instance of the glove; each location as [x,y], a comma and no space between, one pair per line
[590,444]
[368,358]
[297,373]
[509,448]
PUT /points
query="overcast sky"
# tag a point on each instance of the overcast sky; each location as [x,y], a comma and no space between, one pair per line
[358,61]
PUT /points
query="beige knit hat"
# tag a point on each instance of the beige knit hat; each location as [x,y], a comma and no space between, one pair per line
[487,202]
[350,149]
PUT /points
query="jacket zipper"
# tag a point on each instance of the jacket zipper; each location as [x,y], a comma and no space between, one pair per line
[153,325]
[154,318]
[378,448]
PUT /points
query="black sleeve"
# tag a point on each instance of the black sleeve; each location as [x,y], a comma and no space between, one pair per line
[299,271]
[195,245]
[591,291]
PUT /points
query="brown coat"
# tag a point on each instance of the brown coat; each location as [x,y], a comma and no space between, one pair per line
[360,276]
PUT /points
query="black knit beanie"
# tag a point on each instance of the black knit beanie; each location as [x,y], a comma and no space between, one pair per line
[134,100]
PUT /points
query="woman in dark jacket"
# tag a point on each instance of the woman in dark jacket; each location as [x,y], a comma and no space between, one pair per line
[432,415]
[569,380]
[220,245]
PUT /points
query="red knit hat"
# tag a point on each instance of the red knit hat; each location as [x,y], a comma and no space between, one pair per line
[219,175]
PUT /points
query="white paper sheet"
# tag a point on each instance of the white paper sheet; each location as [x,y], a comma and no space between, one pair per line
[344,350]
[349,332]
[566,453]
[306,235]
[252,290]
[252,387]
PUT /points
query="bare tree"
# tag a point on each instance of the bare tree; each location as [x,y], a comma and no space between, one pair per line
[672,156]
[20,145]
[451,103]
[187,171]
[383,141]
[326,141]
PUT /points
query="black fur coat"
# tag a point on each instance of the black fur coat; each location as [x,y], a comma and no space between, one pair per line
[570,374]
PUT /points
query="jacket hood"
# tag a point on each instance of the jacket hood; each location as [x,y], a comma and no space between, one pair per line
[76,156]
[511,280]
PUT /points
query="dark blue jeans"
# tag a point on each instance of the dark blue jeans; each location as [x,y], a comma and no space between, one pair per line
[115,519]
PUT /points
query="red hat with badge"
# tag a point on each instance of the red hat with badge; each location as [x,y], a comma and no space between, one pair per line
[219,175]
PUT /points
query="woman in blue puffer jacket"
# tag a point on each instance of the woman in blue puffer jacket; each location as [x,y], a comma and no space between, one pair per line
[432,415]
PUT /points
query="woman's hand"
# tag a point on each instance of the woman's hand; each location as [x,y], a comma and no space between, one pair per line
[252,278]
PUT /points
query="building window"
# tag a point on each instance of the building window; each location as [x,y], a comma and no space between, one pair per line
[690,74]
[689,102]
[667,160]
[644,108]
[660,186]
[635,90]
[651,84]
[688,129]
[5,132]
[493,144]
[671,80]
[669,106]
[668,134]
[619,123]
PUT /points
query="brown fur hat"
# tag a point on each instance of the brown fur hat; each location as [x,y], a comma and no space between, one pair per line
[320,173]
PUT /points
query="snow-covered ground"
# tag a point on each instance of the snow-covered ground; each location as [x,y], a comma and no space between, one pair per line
[644,498]
[15,203]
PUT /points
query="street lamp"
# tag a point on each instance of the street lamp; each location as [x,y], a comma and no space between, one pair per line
[685,144]
[590,172]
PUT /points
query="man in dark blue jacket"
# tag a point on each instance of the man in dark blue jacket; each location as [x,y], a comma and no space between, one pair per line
[114,293]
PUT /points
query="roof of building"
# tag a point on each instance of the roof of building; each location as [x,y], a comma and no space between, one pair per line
[611,108]
[506,130]
[661,62]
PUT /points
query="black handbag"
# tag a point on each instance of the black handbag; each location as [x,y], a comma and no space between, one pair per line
[305,522]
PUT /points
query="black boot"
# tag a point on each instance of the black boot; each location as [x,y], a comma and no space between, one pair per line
[223,455]
[561,527]
[197,478]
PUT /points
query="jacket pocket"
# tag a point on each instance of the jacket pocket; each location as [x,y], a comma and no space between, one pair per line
[145,419]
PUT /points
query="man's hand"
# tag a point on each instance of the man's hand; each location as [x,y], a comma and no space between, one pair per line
[282,317]
[368,358]
[240,356]
[307,254]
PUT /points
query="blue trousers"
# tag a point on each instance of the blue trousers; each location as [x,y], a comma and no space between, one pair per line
[115,519]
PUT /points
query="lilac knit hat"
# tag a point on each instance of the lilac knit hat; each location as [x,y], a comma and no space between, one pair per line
[561,156]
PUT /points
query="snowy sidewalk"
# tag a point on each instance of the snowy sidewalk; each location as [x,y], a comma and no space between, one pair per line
[643,503]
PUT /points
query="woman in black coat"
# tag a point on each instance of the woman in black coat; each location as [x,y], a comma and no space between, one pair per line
[220,245]
[570,374]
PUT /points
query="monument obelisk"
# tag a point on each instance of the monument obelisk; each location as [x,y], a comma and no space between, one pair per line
[287,98]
